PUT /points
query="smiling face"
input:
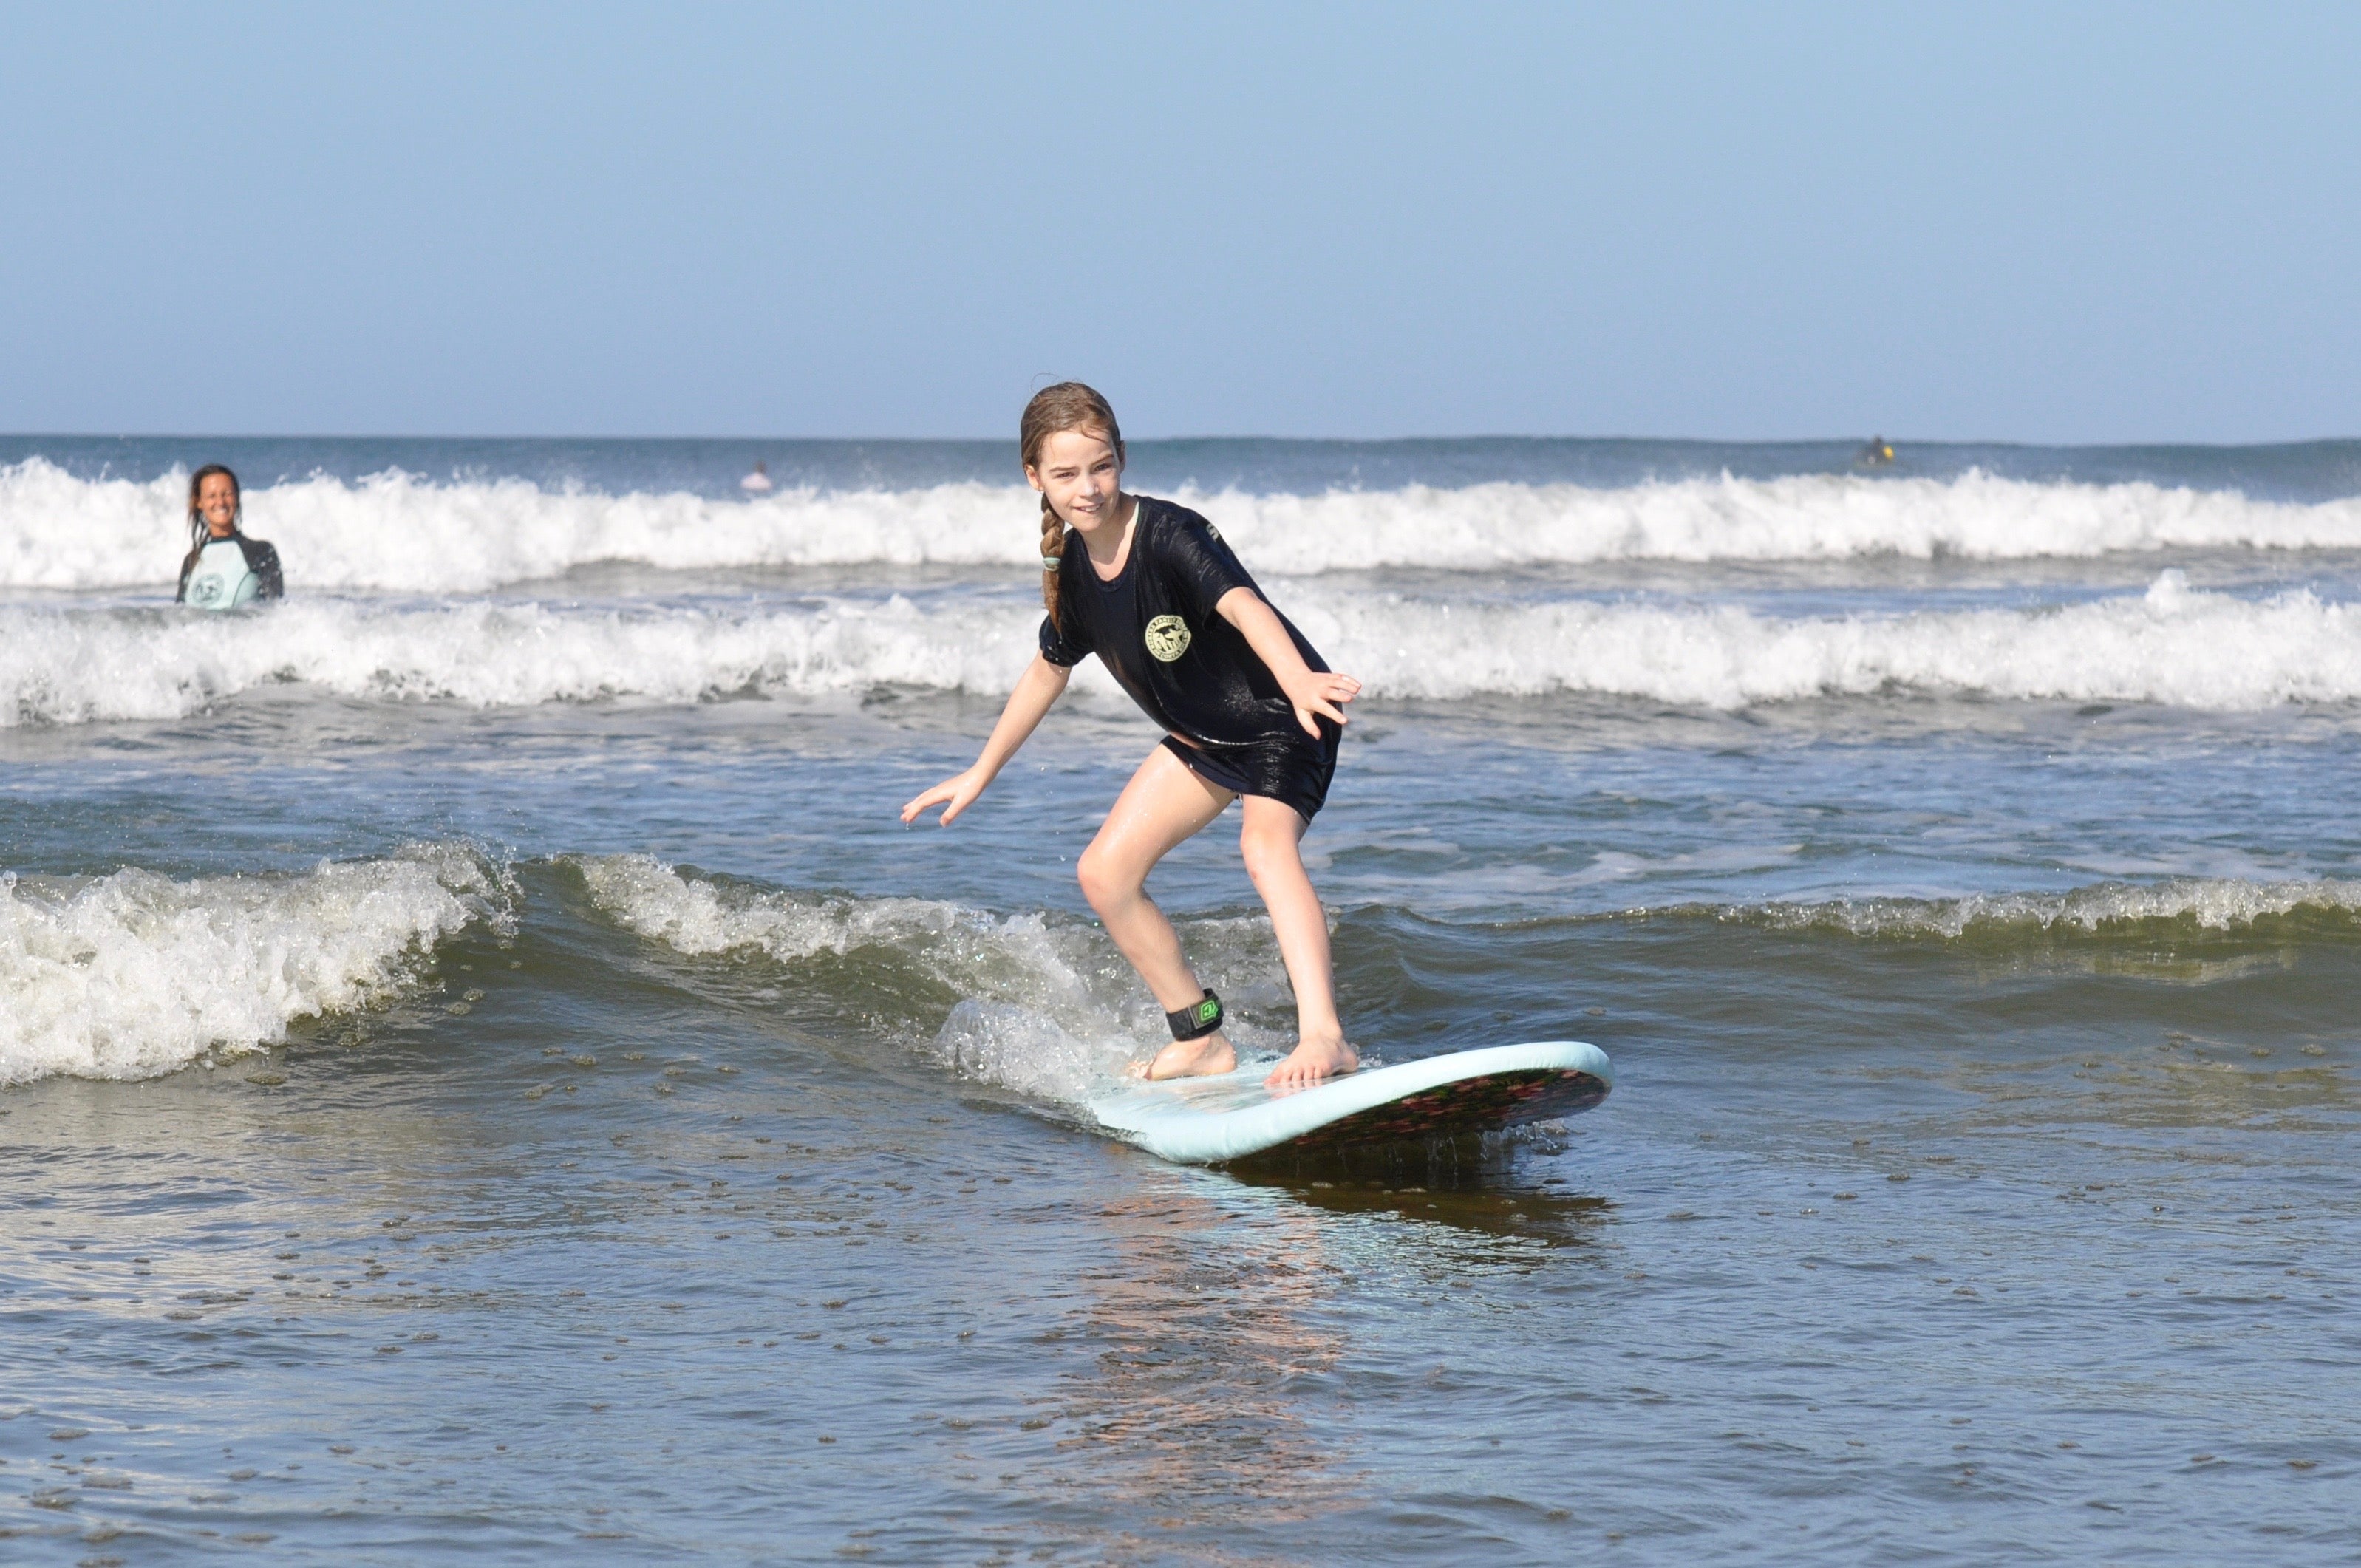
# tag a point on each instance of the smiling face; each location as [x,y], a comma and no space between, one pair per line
[218,504]
[1082,473]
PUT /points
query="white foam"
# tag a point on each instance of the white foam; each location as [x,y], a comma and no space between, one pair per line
[2212,903]
[2171,645]
[1803,518]
[395,531]
[135,974]
[1047,1009]
[71,666]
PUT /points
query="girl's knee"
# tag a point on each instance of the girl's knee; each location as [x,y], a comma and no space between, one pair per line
[1104,882]
[1268,848]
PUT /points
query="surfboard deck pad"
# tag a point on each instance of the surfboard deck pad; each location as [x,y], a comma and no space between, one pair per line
[1211,1120]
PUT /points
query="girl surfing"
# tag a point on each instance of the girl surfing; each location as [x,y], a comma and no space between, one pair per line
[1250,712]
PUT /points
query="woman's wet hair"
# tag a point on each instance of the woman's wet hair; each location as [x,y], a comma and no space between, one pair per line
[197,530]
[1069,405]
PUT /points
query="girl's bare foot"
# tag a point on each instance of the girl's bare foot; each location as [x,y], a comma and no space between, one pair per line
[1199,1057]
[1311,1061]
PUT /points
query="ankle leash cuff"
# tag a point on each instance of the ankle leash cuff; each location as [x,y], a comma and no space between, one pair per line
[1197,1020]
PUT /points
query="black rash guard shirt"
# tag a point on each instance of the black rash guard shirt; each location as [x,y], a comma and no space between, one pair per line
[1155,628]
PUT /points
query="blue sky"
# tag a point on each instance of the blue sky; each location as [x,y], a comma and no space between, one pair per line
[2055,223]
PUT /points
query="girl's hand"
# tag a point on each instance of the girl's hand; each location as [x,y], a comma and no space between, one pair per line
[959,790]
[1037,688]
[1312,692]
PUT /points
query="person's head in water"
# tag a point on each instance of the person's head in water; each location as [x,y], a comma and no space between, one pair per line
[1072,452]
[214,504]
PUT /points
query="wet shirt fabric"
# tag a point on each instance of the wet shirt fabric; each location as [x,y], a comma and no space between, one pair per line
[1155,628]
[223,573]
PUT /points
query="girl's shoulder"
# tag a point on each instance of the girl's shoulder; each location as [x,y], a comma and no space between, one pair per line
[1158,517]
[1158,506]
[1184,549]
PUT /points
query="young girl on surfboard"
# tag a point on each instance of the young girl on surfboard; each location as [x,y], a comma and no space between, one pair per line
[1250,712]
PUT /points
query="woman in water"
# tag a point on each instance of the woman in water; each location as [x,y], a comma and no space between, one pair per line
[1250,712]
[224,568]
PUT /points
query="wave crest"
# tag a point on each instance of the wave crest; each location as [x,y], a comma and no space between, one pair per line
[2213,904]
[2172,645]
[136,974]
[396,531]
[1046,1009]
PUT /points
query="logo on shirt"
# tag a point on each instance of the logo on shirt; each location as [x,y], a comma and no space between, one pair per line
[1168,637]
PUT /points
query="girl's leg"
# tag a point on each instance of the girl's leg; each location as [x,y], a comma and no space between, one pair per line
[1271,839]
[1163,805]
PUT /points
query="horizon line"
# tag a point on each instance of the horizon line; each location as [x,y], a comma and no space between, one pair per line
[1161,440]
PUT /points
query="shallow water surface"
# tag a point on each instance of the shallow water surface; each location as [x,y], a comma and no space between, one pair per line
[483,1075]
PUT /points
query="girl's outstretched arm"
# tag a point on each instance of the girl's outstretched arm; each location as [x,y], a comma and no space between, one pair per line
[1310,691]
[1037,688]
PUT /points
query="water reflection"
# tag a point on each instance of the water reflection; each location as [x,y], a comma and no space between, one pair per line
[1526,1214]
[1221,1323]
[1213,1318]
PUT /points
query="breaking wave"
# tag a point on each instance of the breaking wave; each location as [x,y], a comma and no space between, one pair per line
[136,974]
[1044,1007]
[2172,645]
[396,531]
[2211,904]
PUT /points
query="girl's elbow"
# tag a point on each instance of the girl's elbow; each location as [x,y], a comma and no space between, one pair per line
[1043,685]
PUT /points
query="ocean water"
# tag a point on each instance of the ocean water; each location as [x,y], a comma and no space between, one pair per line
[484,1075]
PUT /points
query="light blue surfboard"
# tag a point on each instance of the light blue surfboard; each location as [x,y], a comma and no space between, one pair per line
[1211,1120]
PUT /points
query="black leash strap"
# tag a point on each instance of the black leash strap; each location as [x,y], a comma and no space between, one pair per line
[1198,1020]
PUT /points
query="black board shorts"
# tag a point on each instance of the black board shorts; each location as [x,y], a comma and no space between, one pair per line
[1293,770]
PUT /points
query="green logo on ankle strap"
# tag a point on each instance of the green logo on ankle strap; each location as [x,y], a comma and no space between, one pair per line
[1208,1010]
